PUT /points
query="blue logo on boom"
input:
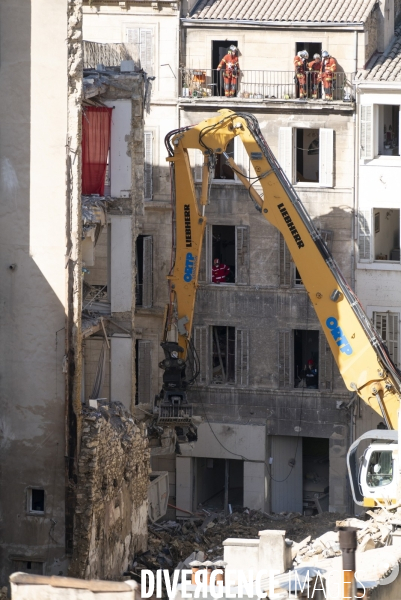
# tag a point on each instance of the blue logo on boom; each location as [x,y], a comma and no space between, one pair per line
[338,335]
[189,267]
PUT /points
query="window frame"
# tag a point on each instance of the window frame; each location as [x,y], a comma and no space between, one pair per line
[29,510]
[366,239]
[287,156]
[369,124]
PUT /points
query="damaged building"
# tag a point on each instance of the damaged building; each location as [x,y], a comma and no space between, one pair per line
[266,441]
[75,463]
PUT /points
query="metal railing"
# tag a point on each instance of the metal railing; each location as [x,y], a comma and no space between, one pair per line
[261,85]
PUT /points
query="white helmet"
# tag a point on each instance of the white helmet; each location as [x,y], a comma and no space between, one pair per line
[233,48]
[316,56]
[305,54]
[325,54]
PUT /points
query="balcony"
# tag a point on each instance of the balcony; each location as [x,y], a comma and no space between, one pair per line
[207,85]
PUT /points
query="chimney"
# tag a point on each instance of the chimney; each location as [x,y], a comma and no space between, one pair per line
[385,24]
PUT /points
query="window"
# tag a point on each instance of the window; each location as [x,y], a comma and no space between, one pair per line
[223,170]
[142,38]
[223,355]
[32,567]
[306,358]
[387,326]
[144,278]
[36,501]
[306,155]
[380,468]
[297,278]
[143,371]
[379,230]
[379,131]
[311,47]
[230,244]
[148,166]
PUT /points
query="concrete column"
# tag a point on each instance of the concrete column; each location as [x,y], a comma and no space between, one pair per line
[121,370]
[338,446]
[184,474]
[254,485]
[121,264]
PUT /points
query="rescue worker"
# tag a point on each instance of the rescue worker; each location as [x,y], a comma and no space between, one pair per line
[327,74]
[314,67]
[310,375]
[300,73]
[231,71]
[220,272]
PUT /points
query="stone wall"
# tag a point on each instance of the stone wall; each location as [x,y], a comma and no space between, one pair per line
[113,476]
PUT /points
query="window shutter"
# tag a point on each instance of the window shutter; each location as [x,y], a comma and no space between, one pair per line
[242,258]
[201,347]
[148,172]
[284,338]
[205,266]
[285,151]
[326,148]
[147,291]
[364,235]
[387,326]
[366,140]
[242,357]
[241,157]
[284,263]
[325,366]
[144,382]
[132,36]
[145,51]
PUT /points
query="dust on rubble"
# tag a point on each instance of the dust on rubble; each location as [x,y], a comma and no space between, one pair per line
[171,543]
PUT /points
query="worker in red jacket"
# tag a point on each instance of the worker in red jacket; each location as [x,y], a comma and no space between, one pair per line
[314,67]
[327,74]
[300,66]
[220,272]
[231,71]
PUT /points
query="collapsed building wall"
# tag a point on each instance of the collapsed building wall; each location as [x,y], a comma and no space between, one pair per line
[111,492]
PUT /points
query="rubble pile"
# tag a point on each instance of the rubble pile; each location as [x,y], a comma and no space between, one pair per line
[375,532]
[174,544]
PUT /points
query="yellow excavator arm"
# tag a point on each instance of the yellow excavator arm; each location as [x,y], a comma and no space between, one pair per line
[359,352]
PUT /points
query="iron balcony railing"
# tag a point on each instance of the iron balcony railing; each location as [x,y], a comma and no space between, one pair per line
[262,85]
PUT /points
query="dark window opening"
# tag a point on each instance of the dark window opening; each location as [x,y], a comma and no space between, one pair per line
[136,371]
[315,468]
[219,50]
[32,567]
[139,271]
[223,170]
[144,276]
[311,48]
[210,477]
[223,249]
[36,500]
[388,138]
[223,355]
[387,234]
[307,155]
[306,358]
[297,278]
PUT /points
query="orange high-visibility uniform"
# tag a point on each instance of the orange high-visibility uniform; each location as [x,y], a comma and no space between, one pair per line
[314,67]
[300,83]
[230,65]
[327,75]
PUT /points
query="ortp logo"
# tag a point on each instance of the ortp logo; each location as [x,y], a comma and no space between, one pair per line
[189,267]
[338,335]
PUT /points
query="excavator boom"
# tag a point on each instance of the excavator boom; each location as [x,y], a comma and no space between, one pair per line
[360,354]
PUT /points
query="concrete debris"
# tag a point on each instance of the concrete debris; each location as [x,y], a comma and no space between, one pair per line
[373,533]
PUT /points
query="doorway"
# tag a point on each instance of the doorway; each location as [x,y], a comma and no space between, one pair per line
[210,477]
[219,50]
[315,468]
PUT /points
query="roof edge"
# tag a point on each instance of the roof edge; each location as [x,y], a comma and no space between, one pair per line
[346,25]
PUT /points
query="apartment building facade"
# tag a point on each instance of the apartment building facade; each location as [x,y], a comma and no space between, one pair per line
[262,430]
[378,163]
